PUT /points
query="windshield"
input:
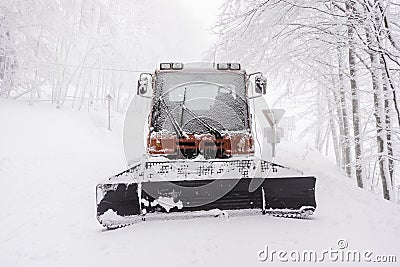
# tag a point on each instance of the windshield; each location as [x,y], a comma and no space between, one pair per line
[198,102]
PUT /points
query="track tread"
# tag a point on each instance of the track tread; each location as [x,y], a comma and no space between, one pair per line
[303,213]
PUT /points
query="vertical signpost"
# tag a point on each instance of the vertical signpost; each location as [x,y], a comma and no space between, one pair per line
[109,98]
[273,116]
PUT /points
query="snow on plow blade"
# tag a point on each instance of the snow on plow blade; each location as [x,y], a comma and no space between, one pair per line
[126,202]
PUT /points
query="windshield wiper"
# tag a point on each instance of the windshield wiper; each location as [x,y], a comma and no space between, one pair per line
[212,129]
[175,124]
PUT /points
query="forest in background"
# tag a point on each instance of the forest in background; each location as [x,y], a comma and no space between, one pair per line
[341,61]
[81,51]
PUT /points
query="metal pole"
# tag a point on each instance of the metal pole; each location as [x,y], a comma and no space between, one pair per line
[274,143]
[109,111]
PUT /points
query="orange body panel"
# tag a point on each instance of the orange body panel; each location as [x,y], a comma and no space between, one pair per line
[228,145]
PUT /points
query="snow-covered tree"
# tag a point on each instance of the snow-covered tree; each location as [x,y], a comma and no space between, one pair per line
[337,58]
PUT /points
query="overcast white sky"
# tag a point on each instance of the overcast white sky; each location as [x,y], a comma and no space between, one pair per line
[203,14]
[206,11]
[176,31]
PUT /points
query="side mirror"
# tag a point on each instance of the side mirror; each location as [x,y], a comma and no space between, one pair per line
[143,84]
[261,85]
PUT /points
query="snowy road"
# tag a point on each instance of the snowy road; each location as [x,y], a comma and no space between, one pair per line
[51,160]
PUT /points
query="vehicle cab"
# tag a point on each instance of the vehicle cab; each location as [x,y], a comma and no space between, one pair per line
[200,110]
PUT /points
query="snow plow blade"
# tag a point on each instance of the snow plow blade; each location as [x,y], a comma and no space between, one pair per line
[121,204]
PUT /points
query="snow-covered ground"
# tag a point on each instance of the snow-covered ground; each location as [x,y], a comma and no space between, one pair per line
[51,160]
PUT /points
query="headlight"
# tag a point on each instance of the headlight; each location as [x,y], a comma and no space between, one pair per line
[222,66]
[228,66]
[241,144]
[177,66]
[161,145]
[234,66]
[165,66]
[171,66]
